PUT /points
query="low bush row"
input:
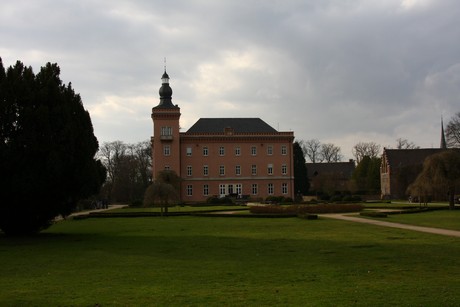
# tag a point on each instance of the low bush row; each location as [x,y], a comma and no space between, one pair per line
[373,214]
[307,209]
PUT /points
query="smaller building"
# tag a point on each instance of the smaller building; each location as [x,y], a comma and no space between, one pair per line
[330,177]
[399,168]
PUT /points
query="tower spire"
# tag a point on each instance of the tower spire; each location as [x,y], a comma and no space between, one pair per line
[443,137]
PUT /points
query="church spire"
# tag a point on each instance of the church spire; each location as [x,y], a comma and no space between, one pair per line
[443,137]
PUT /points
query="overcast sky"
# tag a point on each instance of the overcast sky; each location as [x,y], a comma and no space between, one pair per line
[341,71]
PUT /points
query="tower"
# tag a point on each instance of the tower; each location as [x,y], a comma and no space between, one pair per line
[165,140]
[443,137]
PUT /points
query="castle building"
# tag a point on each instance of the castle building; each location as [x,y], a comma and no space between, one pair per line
[241,157]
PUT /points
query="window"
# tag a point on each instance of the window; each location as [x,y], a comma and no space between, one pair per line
[166,131]
[222,170]
[254,189]
[270,189]
[166,150]
[167,167]
[270,150]
[222,189]
[205,170]
[270,169]
[253,150]
[205,190]
[189,170]
[253,169]
[189,190]
[284,169]
[238,170]
[284,150]
[284,188]
[189,151]
[237,151]
[239,189]
[205,151]
[221,150]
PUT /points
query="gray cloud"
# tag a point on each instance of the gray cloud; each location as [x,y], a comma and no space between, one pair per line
[339,71]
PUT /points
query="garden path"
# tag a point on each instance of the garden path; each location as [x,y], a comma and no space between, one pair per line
[110,207]
[439,231]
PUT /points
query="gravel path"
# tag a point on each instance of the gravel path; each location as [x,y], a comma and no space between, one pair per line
[439,231]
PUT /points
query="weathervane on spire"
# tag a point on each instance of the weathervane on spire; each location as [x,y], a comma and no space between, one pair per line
[165,63]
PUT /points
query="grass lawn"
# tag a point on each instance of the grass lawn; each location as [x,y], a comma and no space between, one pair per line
[197,261]
[448,219]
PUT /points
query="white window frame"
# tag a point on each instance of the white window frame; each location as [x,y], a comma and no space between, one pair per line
[221,170]
[237,151]
[254,189]
[254,169]
[189,151]
[189,170]
[222,189]
[205,170]
[270,150]
[253,151]
[239,188]
[221,151]
[189,190]
[205,151]
[284,188]
[284,169]
[205,190]
[166,150]
[270,189]
[284,150]
[270,169]
[166,131]
[238,170]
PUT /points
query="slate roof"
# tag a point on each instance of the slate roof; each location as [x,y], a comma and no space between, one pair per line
[239,125]
[344,169]
[406,157]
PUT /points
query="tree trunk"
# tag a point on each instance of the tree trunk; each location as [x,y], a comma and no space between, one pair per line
[452,199]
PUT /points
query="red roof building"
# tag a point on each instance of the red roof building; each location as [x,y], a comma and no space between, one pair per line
[221,156]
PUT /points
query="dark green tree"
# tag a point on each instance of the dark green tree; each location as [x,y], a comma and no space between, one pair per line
[367,174]
[47,149]
[301,184]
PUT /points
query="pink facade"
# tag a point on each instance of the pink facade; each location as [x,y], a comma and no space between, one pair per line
[249,160]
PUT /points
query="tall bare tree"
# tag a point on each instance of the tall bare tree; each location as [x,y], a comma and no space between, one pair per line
[330,153]
[405,144]
[312,149]
[128,169]
[440,172]
[453,132]
[363,149]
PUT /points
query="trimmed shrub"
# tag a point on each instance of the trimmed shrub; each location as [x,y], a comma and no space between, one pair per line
[217,201]
[308,216]
[336,198]
[136,203]
[331,208]
[307,209]
[373,214]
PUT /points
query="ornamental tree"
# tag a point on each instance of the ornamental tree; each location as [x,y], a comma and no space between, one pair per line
[47,149]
